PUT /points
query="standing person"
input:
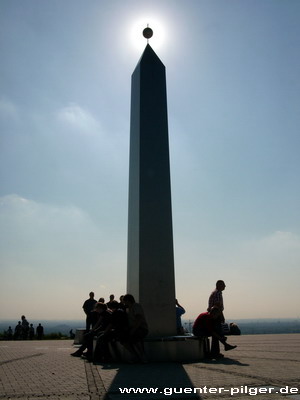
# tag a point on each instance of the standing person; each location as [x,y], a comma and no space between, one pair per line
[25,327]
[138,327]
[18,331]
[88,307]
[111,299]
[216,299]
[204,325]
[40,331]
[9,333]
[31,332]
[179,312]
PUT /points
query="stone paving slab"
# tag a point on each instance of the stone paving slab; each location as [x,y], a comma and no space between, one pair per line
[39,369]
[259,361]
[36,370]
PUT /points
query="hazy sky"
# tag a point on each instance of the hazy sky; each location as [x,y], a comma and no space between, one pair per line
[234,118]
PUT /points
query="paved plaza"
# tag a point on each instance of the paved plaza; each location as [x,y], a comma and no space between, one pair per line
[36,370]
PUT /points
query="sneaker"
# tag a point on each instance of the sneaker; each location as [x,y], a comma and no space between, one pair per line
[87,356]
[228,347]
[76,354]
[217,356]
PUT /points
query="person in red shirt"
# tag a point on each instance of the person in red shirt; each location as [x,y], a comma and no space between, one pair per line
[204,325]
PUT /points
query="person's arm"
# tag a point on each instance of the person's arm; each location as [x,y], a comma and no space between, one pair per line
[222,318]
[178,305]
[108,328]
[97,324]
[84,307]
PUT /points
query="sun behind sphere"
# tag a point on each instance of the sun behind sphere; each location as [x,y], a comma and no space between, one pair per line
[147,33]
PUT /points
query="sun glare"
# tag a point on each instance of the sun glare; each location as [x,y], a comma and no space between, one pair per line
[136,33]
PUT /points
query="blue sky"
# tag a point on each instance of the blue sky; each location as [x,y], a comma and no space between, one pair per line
[233,102]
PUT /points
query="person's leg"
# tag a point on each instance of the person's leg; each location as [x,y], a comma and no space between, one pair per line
[228,346]
[78,353]
[89,346]
[86,339]
[137,342]
[205,337]
[102,352]
[215,347]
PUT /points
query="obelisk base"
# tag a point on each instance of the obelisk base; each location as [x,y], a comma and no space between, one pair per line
[166,349]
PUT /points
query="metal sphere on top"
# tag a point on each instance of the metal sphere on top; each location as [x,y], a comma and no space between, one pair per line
[147,32]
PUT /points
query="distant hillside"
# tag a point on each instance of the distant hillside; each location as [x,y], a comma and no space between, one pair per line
[260,326]
[247,326]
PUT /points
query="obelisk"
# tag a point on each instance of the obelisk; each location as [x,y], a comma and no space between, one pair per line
[150,263]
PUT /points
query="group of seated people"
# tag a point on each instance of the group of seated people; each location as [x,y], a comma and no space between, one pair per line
[125,322]
[111,322]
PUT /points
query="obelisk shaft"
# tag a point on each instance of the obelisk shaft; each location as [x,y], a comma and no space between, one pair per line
[150,269]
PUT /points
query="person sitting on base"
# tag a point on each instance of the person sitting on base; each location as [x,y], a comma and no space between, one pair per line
[121,304]
[116,330]
[103,321]
[138,328]
[204,326]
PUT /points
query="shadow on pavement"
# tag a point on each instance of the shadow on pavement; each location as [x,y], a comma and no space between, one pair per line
[225,361]
[21,358]
[150,381]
